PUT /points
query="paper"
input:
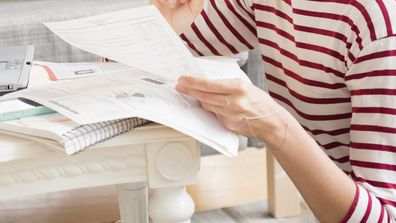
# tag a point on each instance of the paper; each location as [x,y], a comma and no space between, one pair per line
[62,71]
[13,105]
[221,69]
[213,68]
[134,93]
[54,124]
[138,37]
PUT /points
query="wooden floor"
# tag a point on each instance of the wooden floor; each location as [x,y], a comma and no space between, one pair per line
[95,205]
[99,205]
[249,213]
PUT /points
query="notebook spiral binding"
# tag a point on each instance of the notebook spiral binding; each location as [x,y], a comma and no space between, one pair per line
[84,136]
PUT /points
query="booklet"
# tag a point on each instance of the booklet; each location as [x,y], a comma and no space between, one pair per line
[139,38]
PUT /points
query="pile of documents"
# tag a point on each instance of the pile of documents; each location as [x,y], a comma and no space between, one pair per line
[150,57]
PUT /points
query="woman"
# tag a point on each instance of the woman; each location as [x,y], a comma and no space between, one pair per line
[331,70]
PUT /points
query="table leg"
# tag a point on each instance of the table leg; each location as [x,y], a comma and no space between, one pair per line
[132,199]
[283,197]
[171,205]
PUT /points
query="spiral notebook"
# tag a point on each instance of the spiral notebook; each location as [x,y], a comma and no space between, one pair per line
[60,132]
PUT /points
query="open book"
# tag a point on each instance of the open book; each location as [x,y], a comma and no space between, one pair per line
[141,39]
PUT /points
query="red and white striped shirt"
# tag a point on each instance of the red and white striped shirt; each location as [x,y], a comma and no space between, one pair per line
[332,64]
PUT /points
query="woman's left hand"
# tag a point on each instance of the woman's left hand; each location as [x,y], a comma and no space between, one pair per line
[239,106]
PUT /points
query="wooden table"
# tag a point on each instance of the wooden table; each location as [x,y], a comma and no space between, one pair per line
[154,157]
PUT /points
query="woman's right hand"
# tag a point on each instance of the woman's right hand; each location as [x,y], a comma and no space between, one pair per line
[180,14]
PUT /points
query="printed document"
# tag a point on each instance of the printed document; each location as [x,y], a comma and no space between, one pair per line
[134,93]
[138,37]
[211,68]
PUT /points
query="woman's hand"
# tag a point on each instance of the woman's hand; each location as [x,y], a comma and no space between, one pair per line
[180,14]
[250,111]
[239,106]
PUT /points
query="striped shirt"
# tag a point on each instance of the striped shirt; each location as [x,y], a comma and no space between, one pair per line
[332,65]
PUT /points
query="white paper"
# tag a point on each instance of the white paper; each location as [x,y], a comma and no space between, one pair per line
[13,105]
[54,124]
[221,69]
[62,71]
[134,93]
[213,68]
[138,37]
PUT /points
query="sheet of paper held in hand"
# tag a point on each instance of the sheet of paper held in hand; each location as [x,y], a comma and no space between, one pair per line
[136,93]
[138,37]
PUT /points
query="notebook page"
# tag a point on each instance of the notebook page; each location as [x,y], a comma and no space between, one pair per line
[84,136]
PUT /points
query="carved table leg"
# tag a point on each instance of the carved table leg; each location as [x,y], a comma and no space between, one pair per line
[132,199]
[172,166]
[171,205]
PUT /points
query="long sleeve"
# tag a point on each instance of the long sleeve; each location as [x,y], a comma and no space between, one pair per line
[224,27]
[372,84]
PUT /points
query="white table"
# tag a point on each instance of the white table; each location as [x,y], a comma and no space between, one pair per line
[154,157]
